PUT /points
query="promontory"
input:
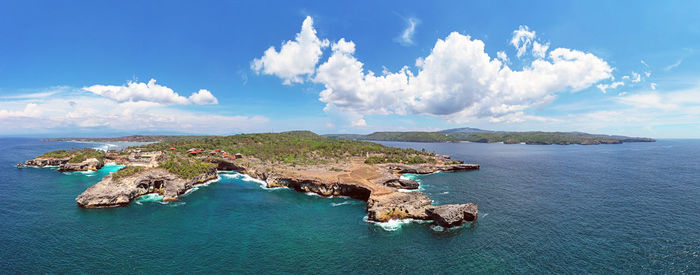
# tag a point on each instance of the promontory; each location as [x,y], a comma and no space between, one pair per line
[299,160]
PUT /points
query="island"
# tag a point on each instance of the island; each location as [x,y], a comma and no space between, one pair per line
[298,160]
[486,136]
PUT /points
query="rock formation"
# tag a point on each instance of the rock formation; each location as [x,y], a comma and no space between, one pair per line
[110,193]
[92,164]
[450,215]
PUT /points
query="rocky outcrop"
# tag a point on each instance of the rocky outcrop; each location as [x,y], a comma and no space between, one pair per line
[43,162]
[429,168]
[398,205]
[451,215]
[111,193]
[92,164]
[402,183]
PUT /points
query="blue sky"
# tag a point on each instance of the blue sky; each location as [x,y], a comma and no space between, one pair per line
[206,67]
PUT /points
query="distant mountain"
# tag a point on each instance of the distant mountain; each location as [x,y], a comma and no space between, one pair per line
[465,130]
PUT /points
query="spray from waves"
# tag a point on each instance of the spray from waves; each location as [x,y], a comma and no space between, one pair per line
[393,225]
[149,198]
[445,193]
[247,178]
[197,186]
[342,203]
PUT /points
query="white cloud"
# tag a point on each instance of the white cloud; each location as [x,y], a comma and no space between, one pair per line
[30,110]
[150,92]
[77,112]
[203,97]
[652,86]
[522,38]
[502,56]
[674,65]
[635,78]
[539,50]
[614,85]
[295,59]
[406,37]
[458,80]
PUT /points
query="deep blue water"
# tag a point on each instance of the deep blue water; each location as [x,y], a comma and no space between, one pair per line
[630,208]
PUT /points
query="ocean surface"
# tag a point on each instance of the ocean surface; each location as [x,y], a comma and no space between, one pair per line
[630,209]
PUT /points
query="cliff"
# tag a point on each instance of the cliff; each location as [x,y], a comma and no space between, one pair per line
[111,192]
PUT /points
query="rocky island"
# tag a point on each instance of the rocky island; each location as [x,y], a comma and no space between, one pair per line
[300,160]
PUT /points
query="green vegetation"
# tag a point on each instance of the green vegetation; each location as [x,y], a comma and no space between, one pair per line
[76,155]
[126,171]
[489,137]
[291,148]
[397,159]
[185,167]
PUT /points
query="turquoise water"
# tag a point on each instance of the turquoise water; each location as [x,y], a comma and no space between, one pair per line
[630,208]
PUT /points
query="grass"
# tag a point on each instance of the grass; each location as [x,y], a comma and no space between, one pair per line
[76,155]
[185,167]
[292,148]
[126,172]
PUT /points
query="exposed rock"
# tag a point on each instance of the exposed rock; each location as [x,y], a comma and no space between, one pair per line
[91,164]
[450,215]
[398,205]
[401,183]
[20,165]
[43,162]
[110,193]
[429,168]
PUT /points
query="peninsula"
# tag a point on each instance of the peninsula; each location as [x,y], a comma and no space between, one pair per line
[486,136]
[299,160]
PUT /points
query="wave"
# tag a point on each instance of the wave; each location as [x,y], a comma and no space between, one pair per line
[244,177]
[342,203]
[153,197]
[200,185]
[393,225]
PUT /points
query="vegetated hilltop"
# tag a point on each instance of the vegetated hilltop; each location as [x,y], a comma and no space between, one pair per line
[484,136]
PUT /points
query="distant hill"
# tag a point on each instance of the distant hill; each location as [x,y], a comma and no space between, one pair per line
[464,130]
[484,136]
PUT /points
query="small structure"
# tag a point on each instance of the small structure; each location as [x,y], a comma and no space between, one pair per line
[173,148]
[238,155]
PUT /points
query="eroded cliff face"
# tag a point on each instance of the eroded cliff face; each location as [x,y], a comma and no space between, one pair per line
[112,193]
[92,164]
[43,162]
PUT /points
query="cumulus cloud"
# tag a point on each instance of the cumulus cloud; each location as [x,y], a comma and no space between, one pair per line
[539,50]
[614,85]
[522,38]
[406,37]
[30,110]
[203,97]
[502,56]
[150,92]
[295,59]
[457,80]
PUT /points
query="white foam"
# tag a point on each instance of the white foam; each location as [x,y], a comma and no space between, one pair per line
[244,177]
[445,193]
[341,203]
[393,225]
[200,185]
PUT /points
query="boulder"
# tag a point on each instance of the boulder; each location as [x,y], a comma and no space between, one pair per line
[397,205]
[450,215]
[42,162]
[402,183]
[91,164]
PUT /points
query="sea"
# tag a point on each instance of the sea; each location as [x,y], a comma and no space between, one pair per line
[632,208]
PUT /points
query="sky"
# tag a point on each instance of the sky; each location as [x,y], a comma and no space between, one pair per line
[105,68]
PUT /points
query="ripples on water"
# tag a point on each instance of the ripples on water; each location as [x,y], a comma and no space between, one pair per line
[630,208]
